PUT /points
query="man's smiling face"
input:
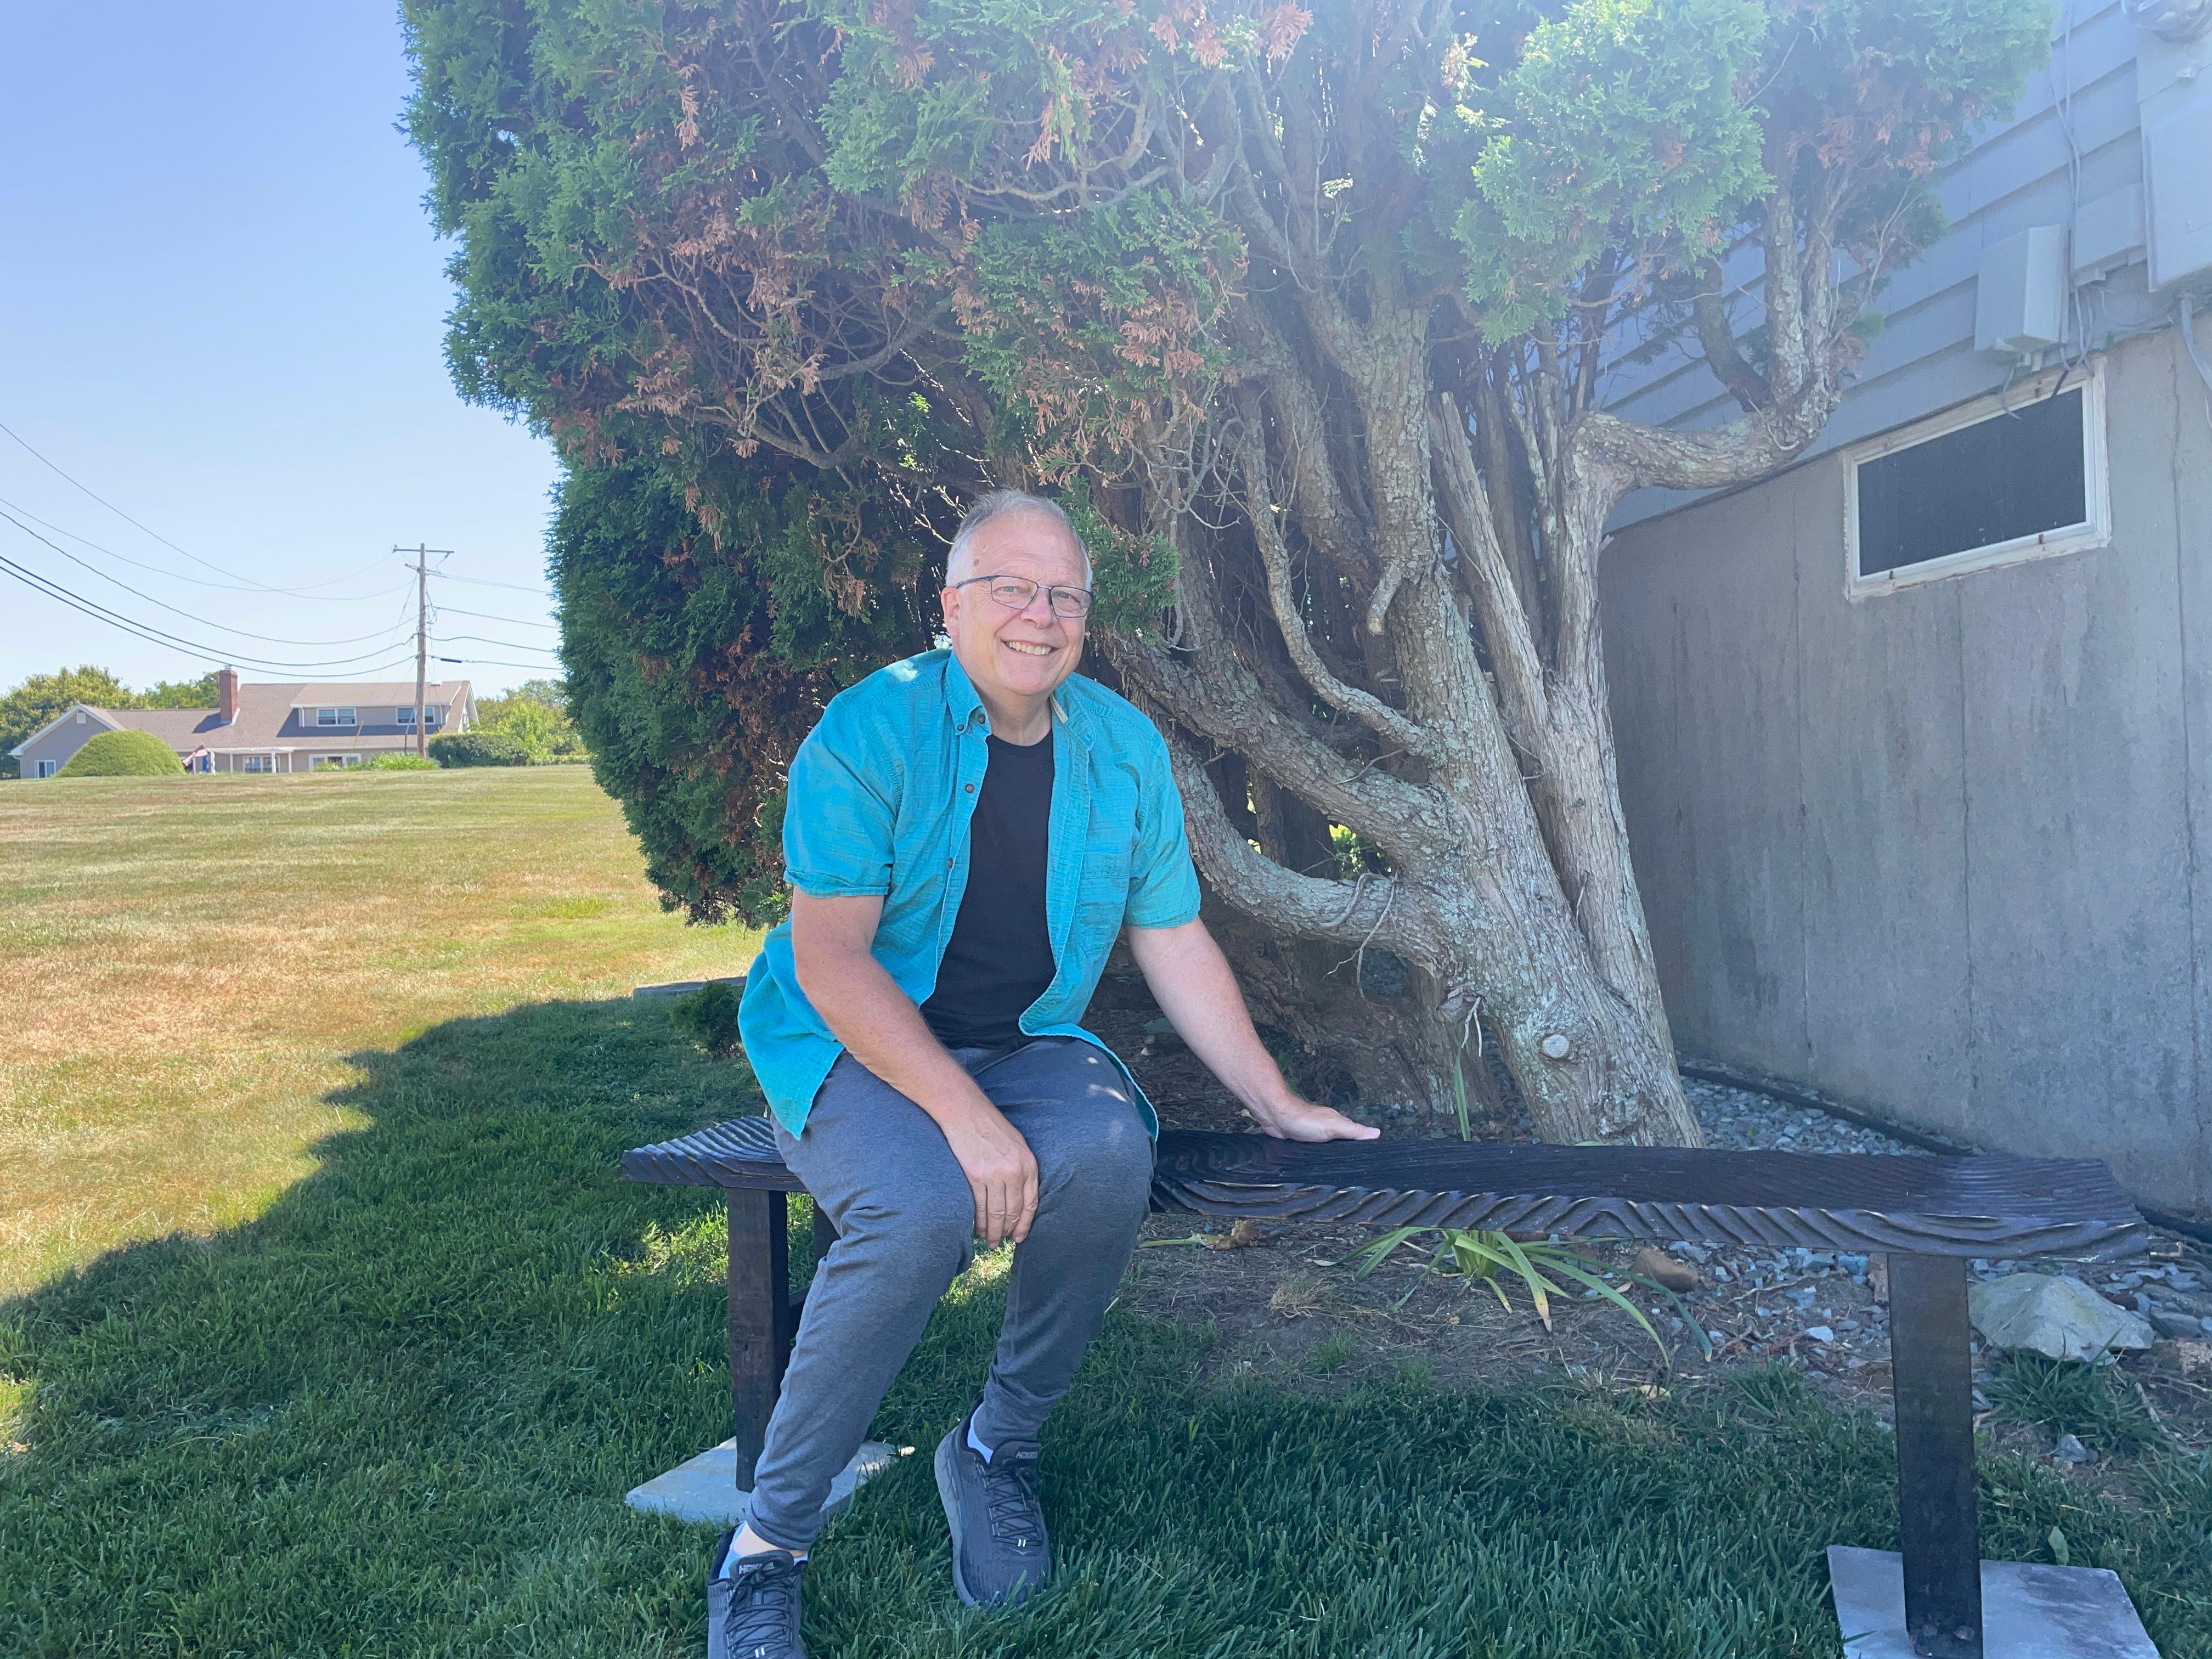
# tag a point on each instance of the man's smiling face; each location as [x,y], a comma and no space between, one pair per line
[1015,657]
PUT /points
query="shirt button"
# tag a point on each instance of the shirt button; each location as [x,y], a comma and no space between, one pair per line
[971,788]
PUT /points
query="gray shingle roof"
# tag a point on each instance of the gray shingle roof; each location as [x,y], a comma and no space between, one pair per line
[266,717]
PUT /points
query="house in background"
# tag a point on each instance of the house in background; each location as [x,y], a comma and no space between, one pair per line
[1915,740]
[266,728]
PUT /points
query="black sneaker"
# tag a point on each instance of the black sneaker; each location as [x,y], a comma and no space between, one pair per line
[753,1613]
[1000,1554]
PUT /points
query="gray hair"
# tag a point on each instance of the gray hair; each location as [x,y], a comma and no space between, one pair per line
[996,505]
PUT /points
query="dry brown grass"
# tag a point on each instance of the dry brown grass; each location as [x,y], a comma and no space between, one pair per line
[185,965]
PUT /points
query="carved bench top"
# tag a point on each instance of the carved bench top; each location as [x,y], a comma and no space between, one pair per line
[1966,1205]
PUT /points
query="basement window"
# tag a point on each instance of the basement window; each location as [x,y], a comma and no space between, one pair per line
[1996,482]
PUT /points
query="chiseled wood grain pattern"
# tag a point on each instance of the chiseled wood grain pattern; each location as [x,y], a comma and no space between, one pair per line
[1969,1207]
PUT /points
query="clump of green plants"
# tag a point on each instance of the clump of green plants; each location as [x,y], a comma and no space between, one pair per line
[536,715]
[399,763]
[2097,1403]
[1477,1256]
[123,754]
[708,1015]
[478,749]
[1333,1352]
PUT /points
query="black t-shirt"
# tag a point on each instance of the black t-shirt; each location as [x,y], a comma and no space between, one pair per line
[999,960]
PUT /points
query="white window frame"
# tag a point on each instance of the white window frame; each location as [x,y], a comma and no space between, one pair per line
[2095,531]
[48,768]
[256,762]
[348,760]
[335,717]
[406,716]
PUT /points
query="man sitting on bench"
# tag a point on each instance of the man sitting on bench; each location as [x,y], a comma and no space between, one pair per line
[968,832]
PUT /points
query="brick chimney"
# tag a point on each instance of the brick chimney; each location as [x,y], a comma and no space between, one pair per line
[226,695]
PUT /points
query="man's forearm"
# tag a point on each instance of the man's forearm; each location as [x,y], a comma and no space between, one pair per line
[1197,990]
[878,1023]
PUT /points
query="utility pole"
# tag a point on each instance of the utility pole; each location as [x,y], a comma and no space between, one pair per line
[422,637]
[422,644]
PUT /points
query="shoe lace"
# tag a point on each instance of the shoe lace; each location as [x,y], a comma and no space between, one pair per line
[763,1606]
[1010,1500]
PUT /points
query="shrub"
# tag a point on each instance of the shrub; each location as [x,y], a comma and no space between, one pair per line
[399,763]
[477,749]
[125,755]
[536,715]
[708,1015]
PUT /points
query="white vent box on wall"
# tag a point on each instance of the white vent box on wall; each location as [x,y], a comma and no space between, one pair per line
[2019,303]
[2108,234]
[2178,168]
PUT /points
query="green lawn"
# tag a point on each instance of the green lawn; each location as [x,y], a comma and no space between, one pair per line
[393,1409]
[186,964]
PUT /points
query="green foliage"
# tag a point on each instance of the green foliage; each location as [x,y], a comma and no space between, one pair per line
[536,715]
[399,763]
[1621,125]
[180,694]
[697,659]
[477,749]
[2100,1404]
[37,700]
[1483,1257]
[789,280]
[708,1015]
[123,754]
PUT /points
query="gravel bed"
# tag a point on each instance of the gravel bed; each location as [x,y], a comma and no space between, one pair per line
[1741,1120]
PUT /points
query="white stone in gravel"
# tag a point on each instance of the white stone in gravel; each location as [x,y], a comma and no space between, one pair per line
[1819,1333]
[2058,1317]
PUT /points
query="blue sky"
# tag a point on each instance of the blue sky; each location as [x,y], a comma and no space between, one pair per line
[223,310]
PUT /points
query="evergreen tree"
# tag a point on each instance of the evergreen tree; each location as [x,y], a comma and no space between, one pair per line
[1305,314]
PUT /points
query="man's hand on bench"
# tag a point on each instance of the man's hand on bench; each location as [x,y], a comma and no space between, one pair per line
[1293,1119]
[1192,981]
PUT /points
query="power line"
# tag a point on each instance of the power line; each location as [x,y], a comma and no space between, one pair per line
[486,616]
[220,587]
[505,645]
[53,589]
[204,622]
[480,581]
[490,662]
[264,587]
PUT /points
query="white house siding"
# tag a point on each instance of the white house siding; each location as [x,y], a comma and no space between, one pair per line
[1937,851]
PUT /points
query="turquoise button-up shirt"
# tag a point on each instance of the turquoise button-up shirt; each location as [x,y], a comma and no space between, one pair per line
[881,793]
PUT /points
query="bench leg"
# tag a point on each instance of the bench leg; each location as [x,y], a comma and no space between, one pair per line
[1939,1528]
[762,1317]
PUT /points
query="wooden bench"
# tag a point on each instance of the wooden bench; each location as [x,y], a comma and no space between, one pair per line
[1929,1214]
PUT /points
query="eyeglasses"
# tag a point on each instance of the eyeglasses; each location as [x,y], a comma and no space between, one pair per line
[1016,594]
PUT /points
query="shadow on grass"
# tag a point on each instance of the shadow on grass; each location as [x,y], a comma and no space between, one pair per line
[396,1412]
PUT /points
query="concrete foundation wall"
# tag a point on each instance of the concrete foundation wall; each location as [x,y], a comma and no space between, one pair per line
[1936,852]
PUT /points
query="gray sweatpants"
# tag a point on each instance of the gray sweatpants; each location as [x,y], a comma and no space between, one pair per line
[880,1169]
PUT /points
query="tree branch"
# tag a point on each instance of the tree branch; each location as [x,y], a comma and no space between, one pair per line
[1466,504]
[1267,535]
[1370,912]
